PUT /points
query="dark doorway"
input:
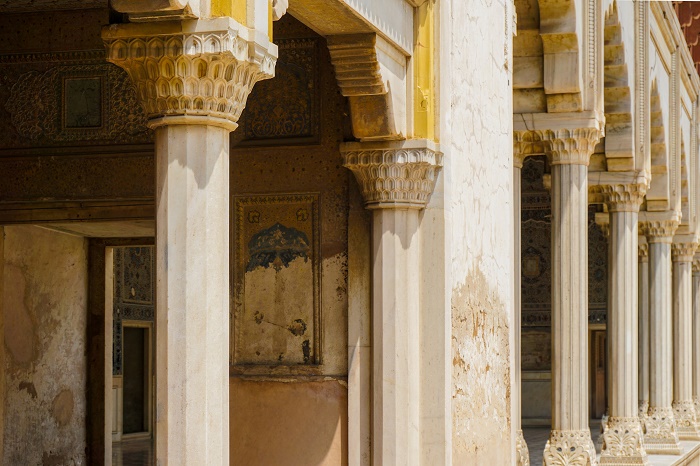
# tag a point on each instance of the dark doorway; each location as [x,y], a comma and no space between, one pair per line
[136,349]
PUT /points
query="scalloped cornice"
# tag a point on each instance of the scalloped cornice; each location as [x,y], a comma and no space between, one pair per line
[394,175]
[191,68]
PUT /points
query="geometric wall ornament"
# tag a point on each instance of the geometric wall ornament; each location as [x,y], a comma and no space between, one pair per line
[276,279]
[286,109]
[134,293]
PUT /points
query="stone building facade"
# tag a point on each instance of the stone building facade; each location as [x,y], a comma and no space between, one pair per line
[349,232]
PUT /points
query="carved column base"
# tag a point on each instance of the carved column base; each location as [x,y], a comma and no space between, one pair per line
[623,442]
[570,448]
[522,454]
[696,402]
[661,437]
[686,424]
[643,413]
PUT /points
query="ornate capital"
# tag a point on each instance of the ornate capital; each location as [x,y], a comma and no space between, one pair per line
[394,175]
[202,68]
[570,447]
[621,197]
[696,270]
[623,442]
[570,146]
[683,252]
[526,143]
[659,231]
[643,253]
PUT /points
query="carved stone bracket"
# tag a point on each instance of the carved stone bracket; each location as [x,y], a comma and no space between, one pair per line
[357,61]
[394,174]
[204,68]
[570,447]
[661,436]
[623,442]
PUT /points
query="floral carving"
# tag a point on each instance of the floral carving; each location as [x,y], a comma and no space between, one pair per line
[661,434]
[623,442]
[684,416]
[570,448]
[521,451]
[683,251]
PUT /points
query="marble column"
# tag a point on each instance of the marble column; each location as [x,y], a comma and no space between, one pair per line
[682,251]
[660,436]
[396,179]
[569,153]
[623,439]
[521,450]
[696,337]
[219,61]
[643,302]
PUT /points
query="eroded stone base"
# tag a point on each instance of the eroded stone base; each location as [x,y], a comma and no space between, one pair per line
[521,450]
[661,437]
[685,419]
[623,443]
[570,448]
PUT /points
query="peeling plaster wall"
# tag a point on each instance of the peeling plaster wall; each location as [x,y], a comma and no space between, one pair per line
[476,137]
[44,313]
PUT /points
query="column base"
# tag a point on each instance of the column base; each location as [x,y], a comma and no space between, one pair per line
[623,442]
[696,402]
[686,423]
[570,447]
[643,413]
[661,437]
[521,450]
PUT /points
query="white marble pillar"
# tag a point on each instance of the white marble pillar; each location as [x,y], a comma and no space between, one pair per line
[521,450]
[570,439]
[396,179]
[192,125]
[660,436]
[682,252]
[696,337]
[643,293]
[623,439]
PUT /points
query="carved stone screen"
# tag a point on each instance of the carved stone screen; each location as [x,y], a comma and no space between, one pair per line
[276,317]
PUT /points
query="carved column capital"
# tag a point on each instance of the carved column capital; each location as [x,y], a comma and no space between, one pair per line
[526,143]
[570,146]
[621,197]
[696,265]
[643,252]
[394,175]
[659,231]
[191,72]
[683,252]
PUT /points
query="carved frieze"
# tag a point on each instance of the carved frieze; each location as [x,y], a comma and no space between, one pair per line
[570,447]
[67,98]
[276,297]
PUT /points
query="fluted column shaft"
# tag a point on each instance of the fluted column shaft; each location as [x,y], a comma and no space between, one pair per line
[623,433]
[696,339]
[661,436]
[643,292]
[570,439]
[522,452]
[396,179]
[683,407]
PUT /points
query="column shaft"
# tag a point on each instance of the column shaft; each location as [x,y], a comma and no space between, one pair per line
[661,434]
[696,339]
[623,439]
[570,440]
[643,292]
[395,337]
[522,452]
[683,407]
[192,313]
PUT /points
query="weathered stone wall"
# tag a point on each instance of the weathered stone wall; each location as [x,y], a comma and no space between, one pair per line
[476,137]
[44,314]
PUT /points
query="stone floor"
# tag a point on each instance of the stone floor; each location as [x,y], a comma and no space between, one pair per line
[133,453]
